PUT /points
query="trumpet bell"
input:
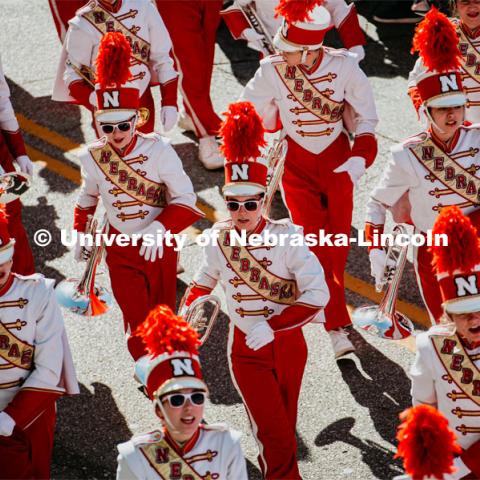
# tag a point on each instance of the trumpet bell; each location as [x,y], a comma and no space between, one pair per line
[201,315]
[381,323]
[89,304]
[13,185]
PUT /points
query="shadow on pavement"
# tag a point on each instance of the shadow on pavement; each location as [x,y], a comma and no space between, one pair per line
[89,427]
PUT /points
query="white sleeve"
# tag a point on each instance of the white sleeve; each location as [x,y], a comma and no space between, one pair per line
[8,120]
[160,45]
[49,353]
[421,373]
[359,94]
[179,185]
[80,47]
[209,272]
[338,10]
[376,212]
[397,179]
[89,191]
[305,267]
[237,467]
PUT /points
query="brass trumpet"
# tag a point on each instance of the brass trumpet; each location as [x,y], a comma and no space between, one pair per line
[201,315]
[275,161]
[82,296]
[383,320]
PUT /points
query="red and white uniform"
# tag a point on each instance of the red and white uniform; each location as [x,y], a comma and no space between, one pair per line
[407,172]
[36,368]
[149,40]
[469,45]
[344,19]
[445,375]
[212,452]
[309,105]
[192,25]
[268,379]
[148,172]
[12,146]
[62,12]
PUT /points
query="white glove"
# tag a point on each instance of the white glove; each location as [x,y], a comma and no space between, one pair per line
[92,99]
[378,261]
[259,335]
[152,249]
[358,51]
[354,166]
[7,424]
[250,35]
[169,117]
[25,164]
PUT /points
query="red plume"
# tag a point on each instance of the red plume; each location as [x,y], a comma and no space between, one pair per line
[436,41]
[242,132]
[164,332]
[113,60]
[426,443]
[296,10]
[463,250]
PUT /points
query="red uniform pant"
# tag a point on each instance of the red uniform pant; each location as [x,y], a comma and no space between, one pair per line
[269,382]
[192,25]
[319,199]
[427,283]
[62,12]
[139,286]
[27,453]
[22,256]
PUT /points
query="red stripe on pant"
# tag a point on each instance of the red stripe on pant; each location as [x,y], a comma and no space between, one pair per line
[27,453]
[192,26]
[427,283]
[146,100]
[138,286]
[269,382]
[22,257]
[319,199]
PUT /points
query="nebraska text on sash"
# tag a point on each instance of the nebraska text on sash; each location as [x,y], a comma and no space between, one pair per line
[15,351]
[268,285]
[459,365]
[471,65]
[167,462]
[126,179]
[447,171]
[105,22]
[305,92]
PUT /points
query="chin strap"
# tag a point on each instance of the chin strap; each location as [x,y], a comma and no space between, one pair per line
[304,55]
[430,119]
[170,426]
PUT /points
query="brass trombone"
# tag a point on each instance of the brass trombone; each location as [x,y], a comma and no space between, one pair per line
[82,296]
[384,320]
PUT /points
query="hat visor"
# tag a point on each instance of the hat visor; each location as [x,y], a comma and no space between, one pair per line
[242,190]
[179,383]
[284,46]
[6,252]
[114,116]
[452,100]
[459,306]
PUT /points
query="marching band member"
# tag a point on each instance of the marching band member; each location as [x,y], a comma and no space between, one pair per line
[435,168]
[344,19]
[467,28]
[36,367]
[193,24]
[12,149]
[151,63]
[62,12]
[445,372]
[272,291]
[307,88]
[144,190]
[172,377]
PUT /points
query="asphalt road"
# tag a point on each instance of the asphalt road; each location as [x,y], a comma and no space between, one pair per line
[348,409]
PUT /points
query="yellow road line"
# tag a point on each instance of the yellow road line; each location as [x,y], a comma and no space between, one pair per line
[44,133]
[354,284]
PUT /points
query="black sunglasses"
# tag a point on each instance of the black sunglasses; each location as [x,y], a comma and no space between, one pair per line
[110,127]
[176,400]
[250,205]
